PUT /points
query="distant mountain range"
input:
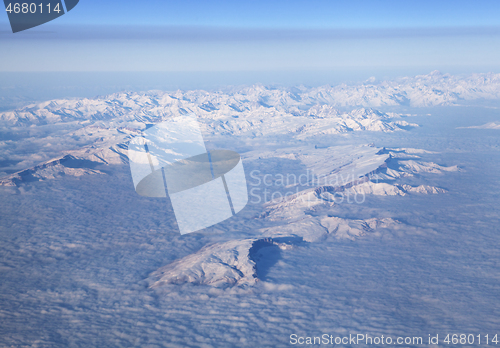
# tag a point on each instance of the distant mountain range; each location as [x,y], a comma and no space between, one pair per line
[298,113]
[319,102]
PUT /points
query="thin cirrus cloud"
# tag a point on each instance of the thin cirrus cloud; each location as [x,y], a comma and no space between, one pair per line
[238,34]
[155,48]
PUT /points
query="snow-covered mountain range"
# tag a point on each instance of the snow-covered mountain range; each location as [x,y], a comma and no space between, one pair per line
[319,102]
[489,125]
[299,113]
[304,217]
[81,136]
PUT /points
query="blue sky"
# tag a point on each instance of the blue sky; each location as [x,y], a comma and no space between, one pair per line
[292,35]
[287,13]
